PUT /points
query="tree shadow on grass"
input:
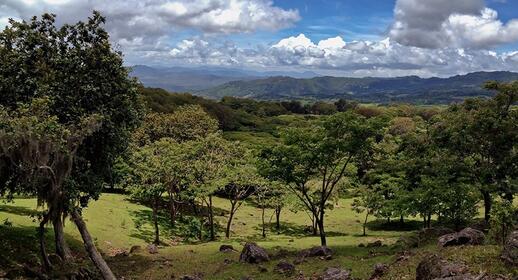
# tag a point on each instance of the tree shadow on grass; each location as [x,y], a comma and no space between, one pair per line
[382,225]
[19,210]
[20,245]
[184,227]
[294,230]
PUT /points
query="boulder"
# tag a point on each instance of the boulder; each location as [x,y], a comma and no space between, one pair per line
[252,253]
[226,248]
[379,270]
[152,249]
[334,273]
[434,267]
[285,268]
[510,251]
[317,251]
[467,236]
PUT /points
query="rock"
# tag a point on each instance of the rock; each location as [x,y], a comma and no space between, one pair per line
[326,258]
[361,245]
[135,249]
[152,248]
[263,269]
[434,267]
[319,251]
[285,268]
[334,273]
[379,270]
[226,248]
[467,236]
[432,233]
[510,251]
[227,261]
[252,253]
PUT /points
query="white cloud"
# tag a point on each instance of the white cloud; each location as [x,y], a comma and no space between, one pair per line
[446,23]
[337,57]
[128,19]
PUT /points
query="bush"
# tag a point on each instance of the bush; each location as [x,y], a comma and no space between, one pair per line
[503,221]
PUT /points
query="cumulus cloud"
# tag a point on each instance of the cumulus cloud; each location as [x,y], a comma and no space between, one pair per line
[354,58]
[129,19]
[446,23]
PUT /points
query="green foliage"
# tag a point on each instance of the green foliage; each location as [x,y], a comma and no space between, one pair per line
[503,220]
[76,68]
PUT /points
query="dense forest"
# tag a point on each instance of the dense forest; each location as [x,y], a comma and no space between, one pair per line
[75,128]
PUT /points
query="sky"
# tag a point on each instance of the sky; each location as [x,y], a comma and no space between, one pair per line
[357,38]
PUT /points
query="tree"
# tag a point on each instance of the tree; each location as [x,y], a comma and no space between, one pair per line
[207,158]
[76,67]
[37,155]
[367,201]
[269,194]
[241,179]
[486,133]
[153,170]
[312,161]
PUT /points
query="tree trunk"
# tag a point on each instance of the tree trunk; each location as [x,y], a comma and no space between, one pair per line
[211,220]
[155,221]
[365,223]
[45,257]
[429,220]
[62,248]
[488,201]
[401,220]
[95,256]
[278,218]
[230,217]
[264,226]
[321,230]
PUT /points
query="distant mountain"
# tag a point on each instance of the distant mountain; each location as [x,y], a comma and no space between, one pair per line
[187,79]
[410,89]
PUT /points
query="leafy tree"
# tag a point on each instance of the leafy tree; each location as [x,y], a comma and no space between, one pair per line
[154,170]
[503,220]
[185,123]
[368,201]
[37,156]
[313,161]
[486,133]
[76,67]
[343,105]
[241,179]
[207,158]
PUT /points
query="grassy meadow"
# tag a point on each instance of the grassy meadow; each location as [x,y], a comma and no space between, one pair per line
[117,223]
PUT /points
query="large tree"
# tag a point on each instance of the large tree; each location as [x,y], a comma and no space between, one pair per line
[313,161]
[76,67]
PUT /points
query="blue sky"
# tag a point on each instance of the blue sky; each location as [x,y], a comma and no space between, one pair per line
[343,38]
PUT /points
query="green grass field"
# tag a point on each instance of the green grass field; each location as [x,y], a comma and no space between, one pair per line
[116,223]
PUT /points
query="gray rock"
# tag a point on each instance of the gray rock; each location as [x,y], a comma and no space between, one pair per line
[467,236]
[334,273]
[252,253]
[434,267]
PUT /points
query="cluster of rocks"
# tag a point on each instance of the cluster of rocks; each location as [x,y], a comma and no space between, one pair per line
[436,268]
[254,254]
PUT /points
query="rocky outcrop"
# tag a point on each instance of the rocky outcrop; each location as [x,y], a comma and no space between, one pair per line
[379,270]
[467,236]
[252,253]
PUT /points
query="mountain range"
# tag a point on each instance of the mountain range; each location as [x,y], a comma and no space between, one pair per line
[218,82]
